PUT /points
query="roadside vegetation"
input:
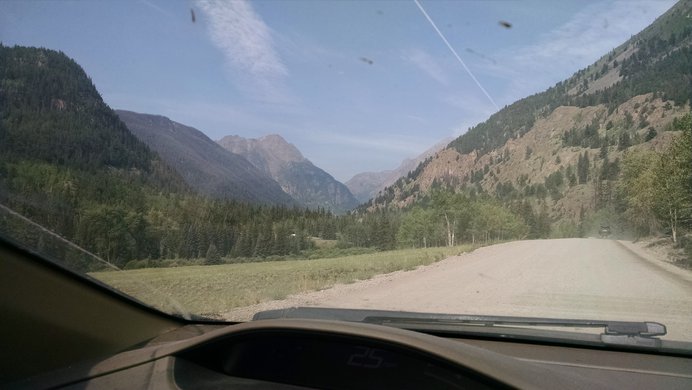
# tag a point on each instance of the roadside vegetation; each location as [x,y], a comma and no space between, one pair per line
[656,190]
[211,290]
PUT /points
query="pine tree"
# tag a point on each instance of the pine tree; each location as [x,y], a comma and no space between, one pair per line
[583,168]
[213,256]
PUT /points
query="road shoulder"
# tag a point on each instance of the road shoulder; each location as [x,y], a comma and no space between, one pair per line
[656,258]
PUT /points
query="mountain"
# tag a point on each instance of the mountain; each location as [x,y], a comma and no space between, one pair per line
[560,151]
[52,113]
[366,185]
[53,121]
[297,176]
[70,166]
[207,167]
[68,163]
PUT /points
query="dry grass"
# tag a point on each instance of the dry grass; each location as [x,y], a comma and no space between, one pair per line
[323,244]
[213,289]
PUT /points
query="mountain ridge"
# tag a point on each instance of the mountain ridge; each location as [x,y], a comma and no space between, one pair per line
[366,185]
[298,176]
[205,166]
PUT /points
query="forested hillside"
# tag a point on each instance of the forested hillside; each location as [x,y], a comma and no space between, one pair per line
[562,160]
[69,164]
[657,60]
[52,114]
[65,157]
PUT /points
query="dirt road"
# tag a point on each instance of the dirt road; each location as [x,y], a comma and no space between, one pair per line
[566,278]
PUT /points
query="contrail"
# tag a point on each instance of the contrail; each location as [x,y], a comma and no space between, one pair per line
[420,7]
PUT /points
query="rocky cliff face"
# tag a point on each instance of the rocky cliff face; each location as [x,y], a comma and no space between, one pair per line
[297,176]
[542,164]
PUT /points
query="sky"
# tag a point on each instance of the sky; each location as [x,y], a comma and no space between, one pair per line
[355,85]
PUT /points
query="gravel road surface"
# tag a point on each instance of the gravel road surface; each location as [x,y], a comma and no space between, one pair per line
[564,278]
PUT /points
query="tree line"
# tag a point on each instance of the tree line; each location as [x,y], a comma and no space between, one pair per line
[655,190]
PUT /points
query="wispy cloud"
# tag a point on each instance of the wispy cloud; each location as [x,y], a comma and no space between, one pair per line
[577,43]
[425,62]
[245,41]
[594,31]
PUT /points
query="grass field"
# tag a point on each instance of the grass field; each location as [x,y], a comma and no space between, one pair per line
[215,289]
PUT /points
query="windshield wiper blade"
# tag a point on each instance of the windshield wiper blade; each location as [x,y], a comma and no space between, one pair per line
[622,333]
[633,333]
[644,329]
[626,328]
[620,328]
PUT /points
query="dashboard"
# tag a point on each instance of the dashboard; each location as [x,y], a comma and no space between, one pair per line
[324,360]
[298,354]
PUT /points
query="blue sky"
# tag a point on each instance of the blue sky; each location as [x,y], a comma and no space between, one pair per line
[355,85]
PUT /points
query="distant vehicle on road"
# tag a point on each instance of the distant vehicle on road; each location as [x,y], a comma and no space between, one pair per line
[604,231]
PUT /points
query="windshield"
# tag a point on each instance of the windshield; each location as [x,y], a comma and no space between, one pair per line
[222,158]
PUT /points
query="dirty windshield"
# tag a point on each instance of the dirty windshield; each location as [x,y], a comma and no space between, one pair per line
[223,158]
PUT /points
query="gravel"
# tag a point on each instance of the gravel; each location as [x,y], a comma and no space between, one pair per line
[562,278]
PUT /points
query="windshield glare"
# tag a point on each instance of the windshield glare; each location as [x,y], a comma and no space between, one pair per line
[221,158]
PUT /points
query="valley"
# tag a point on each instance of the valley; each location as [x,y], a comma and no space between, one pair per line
[608,146]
